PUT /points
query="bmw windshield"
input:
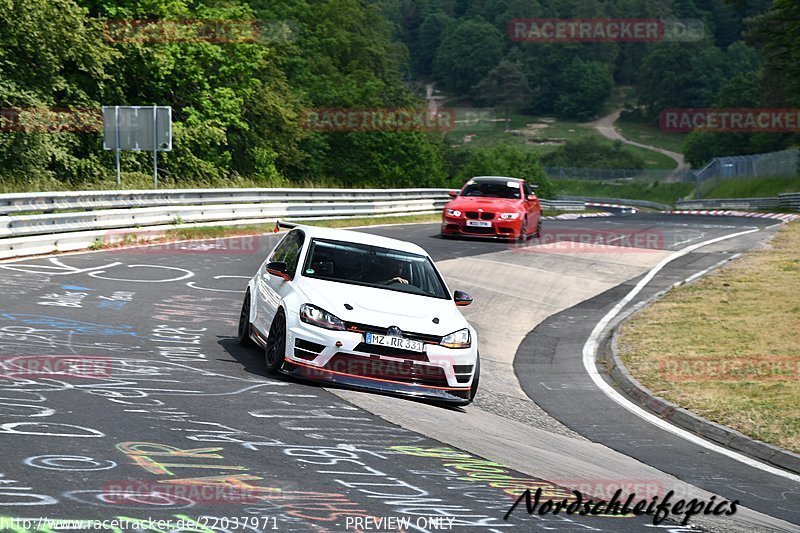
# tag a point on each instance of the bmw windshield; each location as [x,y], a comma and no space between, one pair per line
[373,266]
[508,189]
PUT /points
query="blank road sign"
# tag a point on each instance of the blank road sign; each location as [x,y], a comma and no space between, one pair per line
[136,128]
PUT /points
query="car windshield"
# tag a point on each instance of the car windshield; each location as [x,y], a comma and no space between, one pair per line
[373,266]
[492,188]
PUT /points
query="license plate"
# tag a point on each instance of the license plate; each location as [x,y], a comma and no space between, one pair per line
[479,223]
[395,342]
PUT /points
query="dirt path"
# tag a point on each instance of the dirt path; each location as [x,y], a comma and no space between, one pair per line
[605,126]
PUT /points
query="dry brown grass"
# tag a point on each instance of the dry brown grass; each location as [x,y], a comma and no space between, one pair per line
[746,313]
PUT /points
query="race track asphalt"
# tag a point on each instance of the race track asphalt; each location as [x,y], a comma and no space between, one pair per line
[173,406]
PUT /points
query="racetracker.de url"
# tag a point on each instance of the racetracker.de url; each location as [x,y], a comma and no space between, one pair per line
[204,524]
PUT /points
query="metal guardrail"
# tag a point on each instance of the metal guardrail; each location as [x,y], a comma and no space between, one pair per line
[23,225]
[38,223]
[623,201]
[49,202]
[737,203]
[563,205]
[789,200]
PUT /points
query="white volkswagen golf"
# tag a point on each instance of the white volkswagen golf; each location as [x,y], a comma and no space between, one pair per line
[362,311]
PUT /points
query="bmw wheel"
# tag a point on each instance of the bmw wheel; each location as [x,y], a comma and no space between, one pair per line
[523,232]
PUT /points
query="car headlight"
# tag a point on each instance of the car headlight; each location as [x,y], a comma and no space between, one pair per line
[457,339]
[311,314]
[509,216]
[453,212]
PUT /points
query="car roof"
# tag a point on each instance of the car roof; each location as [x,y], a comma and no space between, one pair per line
[497,178]
[361,238]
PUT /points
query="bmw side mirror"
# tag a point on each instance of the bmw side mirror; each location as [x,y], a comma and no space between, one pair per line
[278,268]
[453,194]
[462,298]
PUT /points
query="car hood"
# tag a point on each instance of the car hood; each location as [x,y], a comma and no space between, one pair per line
[467,203]
[384,308]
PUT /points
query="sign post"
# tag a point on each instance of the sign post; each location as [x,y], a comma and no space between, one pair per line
[116,137]
[139,128]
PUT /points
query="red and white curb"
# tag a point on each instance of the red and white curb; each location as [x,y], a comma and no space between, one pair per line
[615,206]
[575,216]
[786,217]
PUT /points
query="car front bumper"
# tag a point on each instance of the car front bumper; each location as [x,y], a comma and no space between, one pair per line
[501,228]
[343,357]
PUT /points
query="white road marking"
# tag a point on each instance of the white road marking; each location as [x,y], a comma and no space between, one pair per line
[590,349]
[193,285]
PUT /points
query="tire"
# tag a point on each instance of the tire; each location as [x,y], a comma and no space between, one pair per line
[523,231]
[275,352]
[473,389]
[243,334]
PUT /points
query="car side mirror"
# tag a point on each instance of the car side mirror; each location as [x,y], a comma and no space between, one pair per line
[278,268]
[453,194]
[462,298]
[531,197]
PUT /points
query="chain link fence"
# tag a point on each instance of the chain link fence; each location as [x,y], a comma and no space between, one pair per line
[781,164]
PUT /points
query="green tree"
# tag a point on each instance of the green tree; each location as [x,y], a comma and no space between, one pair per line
[505,86]
[469,50]
[51,56]
[429,37]
[591,153]
[774,34]
[506,160]
[385,159]
[680,75]
[742,91]
[585,87]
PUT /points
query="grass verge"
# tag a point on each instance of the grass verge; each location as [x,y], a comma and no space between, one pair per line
[665,193]
[541,135]
[753,187]
[727,347]
[221,232]
[650,134]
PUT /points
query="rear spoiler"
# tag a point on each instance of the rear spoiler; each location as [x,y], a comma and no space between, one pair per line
[281,224]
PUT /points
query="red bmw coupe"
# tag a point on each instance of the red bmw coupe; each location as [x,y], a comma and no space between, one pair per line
[493,206]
